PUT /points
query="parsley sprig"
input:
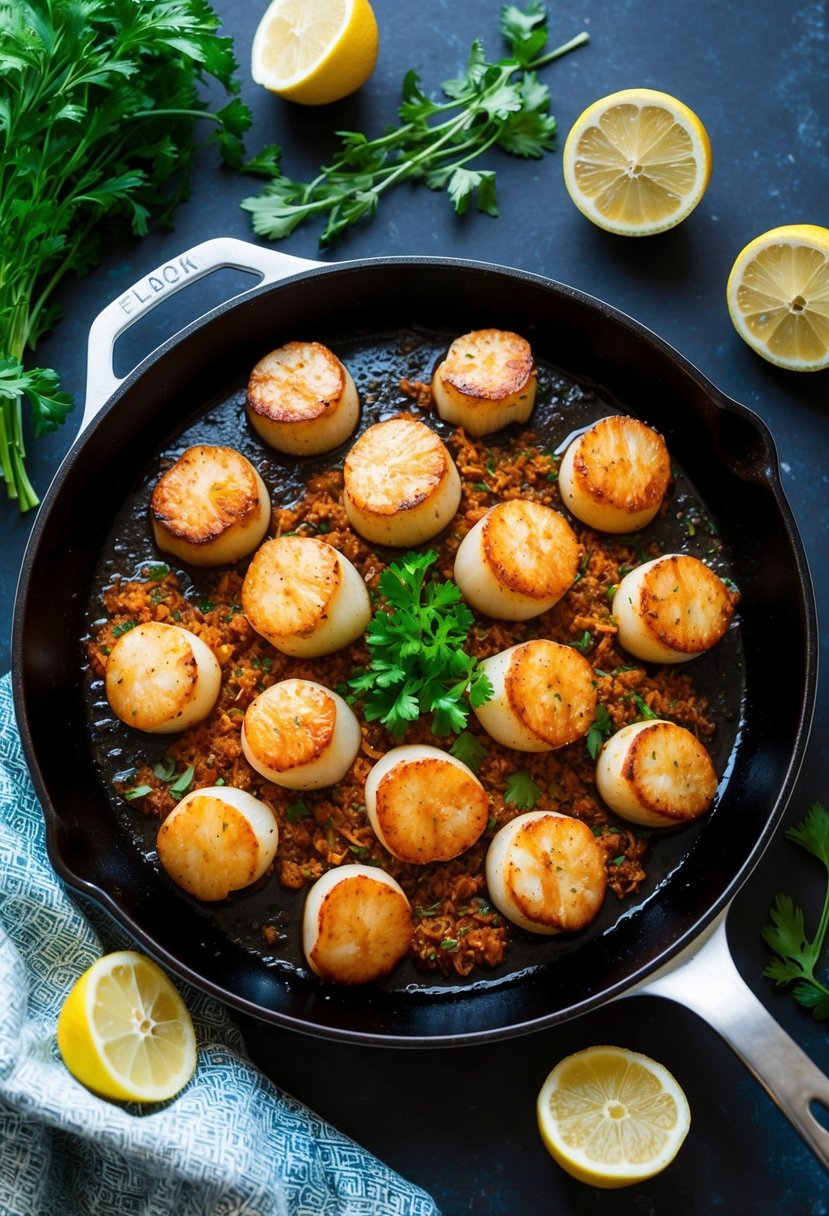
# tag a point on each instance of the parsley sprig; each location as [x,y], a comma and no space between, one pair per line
[493,104]
[418,664]
[798,956]
[99,103]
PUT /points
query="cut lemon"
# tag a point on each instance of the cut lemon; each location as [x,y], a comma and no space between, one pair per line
[124,1031]
[637,162]
[612,1117]
[778,296]
[315,51]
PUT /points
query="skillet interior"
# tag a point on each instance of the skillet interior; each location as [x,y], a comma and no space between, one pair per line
[728,458]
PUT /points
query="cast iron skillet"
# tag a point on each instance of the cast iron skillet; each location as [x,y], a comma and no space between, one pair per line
[729,457]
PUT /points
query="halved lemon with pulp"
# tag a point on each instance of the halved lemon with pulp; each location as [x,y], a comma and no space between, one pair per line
[612,1117]
[315,51]
[778,296]
[124,1031]
[637,162]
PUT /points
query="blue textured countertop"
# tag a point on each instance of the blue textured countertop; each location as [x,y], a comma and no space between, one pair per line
[461,1122]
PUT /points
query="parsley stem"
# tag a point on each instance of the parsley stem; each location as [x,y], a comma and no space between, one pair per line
[494,104]
[564,49]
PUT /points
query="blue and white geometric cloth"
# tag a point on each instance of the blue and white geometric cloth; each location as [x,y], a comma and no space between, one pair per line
[230,1144]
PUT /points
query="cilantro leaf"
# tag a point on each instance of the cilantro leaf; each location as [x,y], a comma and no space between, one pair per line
[797,955]
[500,104]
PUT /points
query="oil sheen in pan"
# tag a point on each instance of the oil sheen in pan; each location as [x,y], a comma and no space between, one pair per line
[378,363]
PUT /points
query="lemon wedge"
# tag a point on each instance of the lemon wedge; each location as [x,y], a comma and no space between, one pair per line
[637,162]
[124,1031]
[778,296]
[612,1117]
[315,51]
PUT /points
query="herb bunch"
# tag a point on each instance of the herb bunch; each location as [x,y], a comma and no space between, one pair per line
[798,956]
[418,663]
[493,104]
[99,100]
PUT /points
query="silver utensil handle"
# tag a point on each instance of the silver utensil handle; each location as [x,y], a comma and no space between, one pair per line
[180,272]
[706,980]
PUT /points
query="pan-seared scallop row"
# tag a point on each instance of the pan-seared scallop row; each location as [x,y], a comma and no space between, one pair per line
[671,609]
[615,475]
[302,400]
[304,596]
[545,872]
[543,696]
[517,561]
[356,926]
[300,735]
[218,840]
[401,484]
[487,380]
[211,507]
[656,773]
[424,804]
[161,678]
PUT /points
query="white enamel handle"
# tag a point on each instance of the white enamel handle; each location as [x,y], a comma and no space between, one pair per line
[705,980]
[180,272]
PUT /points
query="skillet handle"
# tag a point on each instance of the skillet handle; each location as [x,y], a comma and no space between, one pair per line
[179,272]
[705,980]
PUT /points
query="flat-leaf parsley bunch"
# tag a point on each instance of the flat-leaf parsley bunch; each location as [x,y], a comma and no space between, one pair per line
[493,104]
[99,100]
[418,662]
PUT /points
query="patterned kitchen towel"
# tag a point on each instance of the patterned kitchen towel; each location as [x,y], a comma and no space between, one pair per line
[230,1143]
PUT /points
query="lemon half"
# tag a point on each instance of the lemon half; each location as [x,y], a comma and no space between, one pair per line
[778,296]
[315,51]
[124,1031]
[637,162]
[612,1117]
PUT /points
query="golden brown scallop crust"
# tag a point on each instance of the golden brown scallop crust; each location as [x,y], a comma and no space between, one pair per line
[290,724]
[195,503]
[530,548]
[685,605]
[551,689]
[664,747]
[623,463]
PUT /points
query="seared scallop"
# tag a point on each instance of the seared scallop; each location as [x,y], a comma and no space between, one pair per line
[161,678]
[304,596]
[302,400]
[487,380]
[672,609]
[517,561]
[218,840]
[545,872]
[210,508]
[424,804]
[401,484]
[300,735]
[615,475]
[357,925]
[656,773]
[543,696]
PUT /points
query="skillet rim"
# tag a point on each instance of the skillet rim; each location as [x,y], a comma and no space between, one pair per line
[608,314]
